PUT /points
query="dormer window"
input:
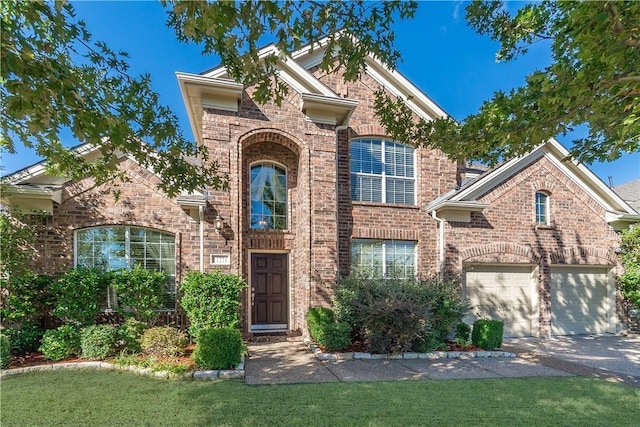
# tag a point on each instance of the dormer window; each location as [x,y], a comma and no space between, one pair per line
[542,208]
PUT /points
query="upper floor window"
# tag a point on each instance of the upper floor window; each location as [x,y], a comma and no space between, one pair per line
[382,171]
[542,208]
[268,197]
[121,247]
[384,258]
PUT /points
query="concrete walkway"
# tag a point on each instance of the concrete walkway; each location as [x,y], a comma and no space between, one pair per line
[290,361]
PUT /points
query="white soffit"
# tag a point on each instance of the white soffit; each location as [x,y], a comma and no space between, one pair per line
[199,92]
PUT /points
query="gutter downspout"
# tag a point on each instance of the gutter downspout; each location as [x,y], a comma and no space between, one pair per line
[201,218]
[441,222]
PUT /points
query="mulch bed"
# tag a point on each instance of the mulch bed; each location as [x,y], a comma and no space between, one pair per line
[37,359]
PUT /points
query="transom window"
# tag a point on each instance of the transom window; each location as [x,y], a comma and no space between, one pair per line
[382,171]
[384,258]
[121,247]
[542,208]
[268,197]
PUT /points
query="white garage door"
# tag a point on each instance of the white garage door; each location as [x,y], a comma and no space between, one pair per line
[507,293]
[581,300]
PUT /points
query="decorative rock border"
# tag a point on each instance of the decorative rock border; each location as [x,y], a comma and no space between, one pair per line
[222,374]
[321,355]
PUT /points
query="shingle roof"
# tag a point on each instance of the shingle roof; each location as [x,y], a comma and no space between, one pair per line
[630,192]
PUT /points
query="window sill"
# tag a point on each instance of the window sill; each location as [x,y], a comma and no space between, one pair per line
[544,227]
[386,205]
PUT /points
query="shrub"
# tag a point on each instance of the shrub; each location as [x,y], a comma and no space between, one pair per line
[78,294]
[317,319]
[630,258]
[24,338]
[139,292]
[396,315]
[5,352]
[325,331]
[163,341]
[98,341]
[211,299]
[60,343]
[26,297]
[130,332]
[337,336]
[218,348]
[487,333]
[463,331]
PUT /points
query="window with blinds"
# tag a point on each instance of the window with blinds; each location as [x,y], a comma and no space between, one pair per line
[384,258]
[382,171]
[121,247]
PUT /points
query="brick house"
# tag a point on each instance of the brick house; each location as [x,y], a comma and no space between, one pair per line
[317,188]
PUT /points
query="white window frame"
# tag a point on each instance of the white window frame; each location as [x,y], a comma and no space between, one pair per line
[383,175]
[384,253]
[547,208]
[286,194]
[111,295]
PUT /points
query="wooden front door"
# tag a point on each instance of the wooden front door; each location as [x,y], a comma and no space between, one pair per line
[269,291]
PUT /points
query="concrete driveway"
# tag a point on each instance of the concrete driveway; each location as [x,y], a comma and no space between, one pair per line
[606,356]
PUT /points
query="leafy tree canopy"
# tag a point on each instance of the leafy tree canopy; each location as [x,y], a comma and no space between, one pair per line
[55,80]
[593,80]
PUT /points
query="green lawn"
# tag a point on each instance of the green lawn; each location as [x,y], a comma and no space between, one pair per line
[99,398]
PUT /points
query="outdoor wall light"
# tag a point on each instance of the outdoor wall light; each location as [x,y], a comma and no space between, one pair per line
[219,223]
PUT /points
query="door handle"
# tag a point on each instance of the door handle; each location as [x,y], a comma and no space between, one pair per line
[253,296]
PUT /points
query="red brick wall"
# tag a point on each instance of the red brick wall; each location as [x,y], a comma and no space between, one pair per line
[139,204]
[505,232]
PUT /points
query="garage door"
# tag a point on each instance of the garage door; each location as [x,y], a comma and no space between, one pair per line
[581,300]
[507,293]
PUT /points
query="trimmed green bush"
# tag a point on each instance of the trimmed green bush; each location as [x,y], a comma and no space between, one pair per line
[27,298]
[163,341]
[463,332]
[218,348]
[487,333]
[78,294]
[139,291]
[337,336]
[130,332]
[5,351]
[98,341]
[25,338]
[60,343]
[211,299]
[325,331]
[317,320]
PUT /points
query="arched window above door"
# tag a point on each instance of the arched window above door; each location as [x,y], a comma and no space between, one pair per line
[268,196]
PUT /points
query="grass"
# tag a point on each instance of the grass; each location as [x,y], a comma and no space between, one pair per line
[99,398]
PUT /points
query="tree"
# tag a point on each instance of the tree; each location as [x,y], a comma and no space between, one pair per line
[630,258]
[593,80]
[234,31]
[55,79]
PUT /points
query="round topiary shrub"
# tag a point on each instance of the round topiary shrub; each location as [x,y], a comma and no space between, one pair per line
[163,341]
[218,348]
[60,343]
[5,352]
[98,341]
[130,332]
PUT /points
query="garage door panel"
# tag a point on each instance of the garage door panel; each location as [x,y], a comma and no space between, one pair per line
[502,292]
[580,300]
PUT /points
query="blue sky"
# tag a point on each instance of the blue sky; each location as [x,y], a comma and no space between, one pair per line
[441,55]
